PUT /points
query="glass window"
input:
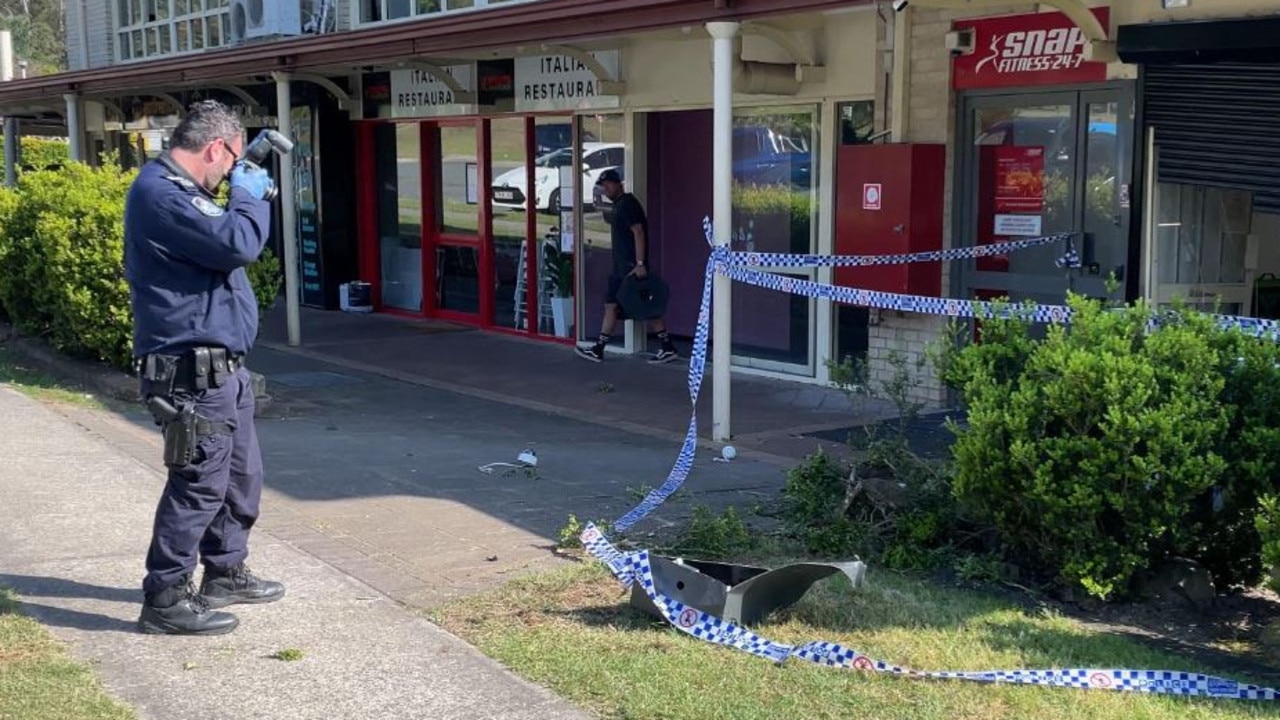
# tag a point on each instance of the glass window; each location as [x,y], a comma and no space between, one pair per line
[426,7]
[560,190]
[508,188]
[398,162]
[458,278]
[398,9]
[592,241]
[774,207]
[457,181]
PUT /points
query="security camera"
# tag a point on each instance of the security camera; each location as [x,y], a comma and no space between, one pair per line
[900,5]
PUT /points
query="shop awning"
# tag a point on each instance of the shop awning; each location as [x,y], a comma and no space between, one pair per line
[559,21]
[1255,39]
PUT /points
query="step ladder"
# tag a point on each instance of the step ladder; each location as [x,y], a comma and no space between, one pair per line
[545,320]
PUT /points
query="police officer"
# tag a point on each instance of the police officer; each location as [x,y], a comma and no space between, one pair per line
[195,318]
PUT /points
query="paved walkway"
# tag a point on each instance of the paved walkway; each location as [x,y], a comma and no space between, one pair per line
[372,445]
[74,524]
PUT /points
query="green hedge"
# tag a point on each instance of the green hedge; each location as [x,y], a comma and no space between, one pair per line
[62,258]
[61,251]
[41,153]
[1108,446]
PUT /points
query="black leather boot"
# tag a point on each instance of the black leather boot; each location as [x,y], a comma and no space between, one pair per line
[238,585]
[179,610]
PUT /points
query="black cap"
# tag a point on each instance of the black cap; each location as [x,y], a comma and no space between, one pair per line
[609,175]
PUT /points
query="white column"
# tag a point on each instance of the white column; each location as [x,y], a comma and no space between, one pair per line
[722,219]
[288,210]
[10,125]
[901,73]
[75,126]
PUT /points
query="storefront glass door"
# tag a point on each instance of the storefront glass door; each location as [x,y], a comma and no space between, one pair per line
[398,166]
[457,219]
[1034,165]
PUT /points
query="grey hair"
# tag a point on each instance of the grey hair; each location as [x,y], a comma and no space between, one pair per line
[205,122]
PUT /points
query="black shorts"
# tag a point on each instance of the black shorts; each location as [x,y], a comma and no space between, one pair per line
[611,292]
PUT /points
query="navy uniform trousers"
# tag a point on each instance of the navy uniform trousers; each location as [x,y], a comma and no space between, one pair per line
[210,505]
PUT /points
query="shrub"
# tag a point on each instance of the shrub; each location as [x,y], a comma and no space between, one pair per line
[41,153]
[61,246]
[1086,449]
[62,261]
[266,278]
[714,537]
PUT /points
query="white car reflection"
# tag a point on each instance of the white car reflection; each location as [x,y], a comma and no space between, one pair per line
[509,188]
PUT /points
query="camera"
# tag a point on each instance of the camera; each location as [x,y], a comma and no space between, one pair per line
[900,5]
[267,142]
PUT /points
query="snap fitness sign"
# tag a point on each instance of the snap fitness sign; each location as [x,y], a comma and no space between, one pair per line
[1026,50]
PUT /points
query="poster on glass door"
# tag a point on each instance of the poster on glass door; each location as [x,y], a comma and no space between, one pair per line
[1019,201]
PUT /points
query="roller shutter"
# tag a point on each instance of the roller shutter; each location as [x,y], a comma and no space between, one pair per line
[1217,125]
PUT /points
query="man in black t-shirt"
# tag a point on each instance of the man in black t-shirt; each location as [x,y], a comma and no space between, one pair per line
[630,236]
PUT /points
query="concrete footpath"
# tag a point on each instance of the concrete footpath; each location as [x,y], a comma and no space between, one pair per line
[75,520]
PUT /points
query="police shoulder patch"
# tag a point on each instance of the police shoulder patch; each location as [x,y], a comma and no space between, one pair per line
[206,206]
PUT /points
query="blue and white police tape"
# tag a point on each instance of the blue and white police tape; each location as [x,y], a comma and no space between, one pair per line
[758,259]
[737,265]
[635,567]
[723,261]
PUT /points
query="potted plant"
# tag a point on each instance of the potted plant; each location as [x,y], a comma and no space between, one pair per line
[558,266]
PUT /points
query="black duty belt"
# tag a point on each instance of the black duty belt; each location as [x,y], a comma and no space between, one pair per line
[196,369]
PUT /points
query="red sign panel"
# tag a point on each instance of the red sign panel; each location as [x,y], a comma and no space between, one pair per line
[1026,50]
[1019,179]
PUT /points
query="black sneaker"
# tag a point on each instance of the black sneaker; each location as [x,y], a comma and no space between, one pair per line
[595,353]
[238,585]
[180,610]
[665,355]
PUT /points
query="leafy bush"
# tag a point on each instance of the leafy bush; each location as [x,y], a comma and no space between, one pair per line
[62,261]
[712,537]
[1086,449]
[1267,523]
[891,504]
[266,278]
[41,153]
[61,250]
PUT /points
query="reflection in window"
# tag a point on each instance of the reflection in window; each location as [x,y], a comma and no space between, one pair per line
[399,214]
[458,279]
[507,190]
[1202,234]
[457,181]
[593,242]
[774,205]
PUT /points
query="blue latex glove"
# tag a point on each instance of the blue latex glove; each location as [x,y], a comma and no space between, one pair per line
[253,179]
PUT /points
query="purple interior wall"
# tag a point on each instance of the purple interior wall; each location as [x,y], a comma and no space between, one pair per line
[679,197]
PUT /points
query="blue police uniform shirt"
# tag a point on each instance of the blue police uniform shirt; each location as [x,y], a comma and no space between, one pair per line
[184,259]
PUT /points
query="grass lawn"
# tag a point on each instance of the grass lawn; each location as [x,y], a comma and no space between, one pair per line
[38,680]
[572,630]
[39,385]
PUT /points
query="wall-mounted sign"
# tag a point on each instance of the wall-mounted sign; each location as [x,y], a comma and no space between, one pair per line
[871,196]
[496,82]
[1026,50]
[562,82]
[310,257]
[418,93]
[1019,225]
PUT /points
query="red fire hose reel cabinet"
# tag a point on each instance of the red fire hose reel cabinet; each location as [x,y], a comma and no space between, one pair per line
[889,201]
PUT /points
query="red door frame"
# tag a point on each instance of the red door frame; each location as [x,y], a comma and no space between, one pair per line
[369,262]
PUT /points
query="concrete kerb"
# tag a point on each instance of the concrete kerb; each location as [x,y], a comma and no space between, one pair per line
[97,377]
